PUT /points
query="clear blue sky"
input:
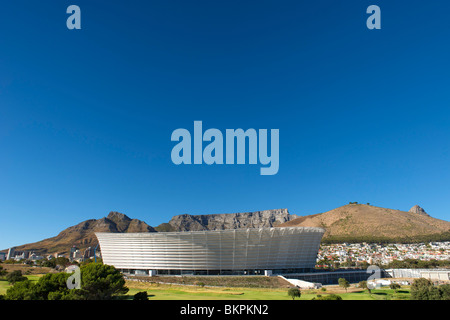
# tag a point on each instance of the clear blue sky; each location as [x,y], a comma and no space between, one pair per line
[86,115]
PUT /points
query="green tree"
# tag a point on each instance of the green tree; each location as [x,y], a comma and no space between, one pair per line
[394,286]
[10,261]
[364,265]
[52,286]
[98,282]
[421,288]
[101,281]
[344,283]
[15,276]
[23,290]
[56,295]
[90,260]
[48,263]
[294,293]
[445,291]
[363,285]
[62,262]
[74,294]
[3,272]
[434,293]
[141,296]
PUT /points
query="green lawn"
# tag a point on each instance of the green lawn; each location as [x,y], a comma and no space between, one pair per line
[220,294]
[175,292]
[378,294]
[4,285]
[166,292]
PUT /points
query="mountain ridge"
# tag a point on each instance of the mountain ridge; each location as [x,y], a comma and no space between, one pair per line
[352,221]
[221,221]
[82,234]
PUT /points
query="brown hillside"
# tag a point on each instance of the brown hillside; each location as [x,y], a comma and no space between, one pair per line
[82,235]
[360,220]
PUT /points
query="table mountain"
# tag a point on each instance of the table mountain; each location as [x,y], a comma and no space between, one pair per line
[257,219]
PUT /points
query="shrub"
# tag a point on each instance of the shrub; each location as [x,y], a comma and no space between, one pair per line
[3,272]
[23,290]
[15,276]
[328,297]
[141,296]
[394,286]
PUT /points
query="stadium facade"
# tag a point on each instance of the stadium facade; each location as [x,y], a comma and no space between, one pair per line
[222,252]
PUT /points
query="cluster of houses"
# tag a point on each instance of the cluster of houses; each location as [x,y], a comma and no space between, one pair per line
[360,253]
[75,254]
[20,255]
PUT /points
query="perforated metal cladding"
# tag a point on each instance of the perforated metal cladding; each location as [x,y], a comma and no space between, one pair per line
[237,249]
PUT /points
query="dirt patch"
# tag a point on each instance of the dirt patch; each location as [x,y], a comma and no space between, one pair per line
[336,289]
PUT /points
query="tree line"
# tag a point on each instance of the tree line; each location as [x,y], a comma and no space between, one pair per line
[417,264]
[424,289]
[98,282]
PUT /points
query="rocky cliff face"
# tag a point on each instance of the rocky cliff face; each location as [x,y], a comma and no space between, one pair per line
[418,210]
[258,219]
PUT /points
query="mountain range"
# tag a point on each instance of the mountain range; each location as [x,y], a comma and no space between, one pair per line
[82,235]
[353,222]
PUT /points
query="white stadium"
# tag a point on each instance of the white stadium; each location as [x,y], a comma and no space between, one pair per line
[222,252]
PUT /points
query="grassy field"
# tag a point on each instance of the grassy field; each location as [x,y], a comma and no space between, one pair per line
[233,288]
[4,285]
[176,292]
